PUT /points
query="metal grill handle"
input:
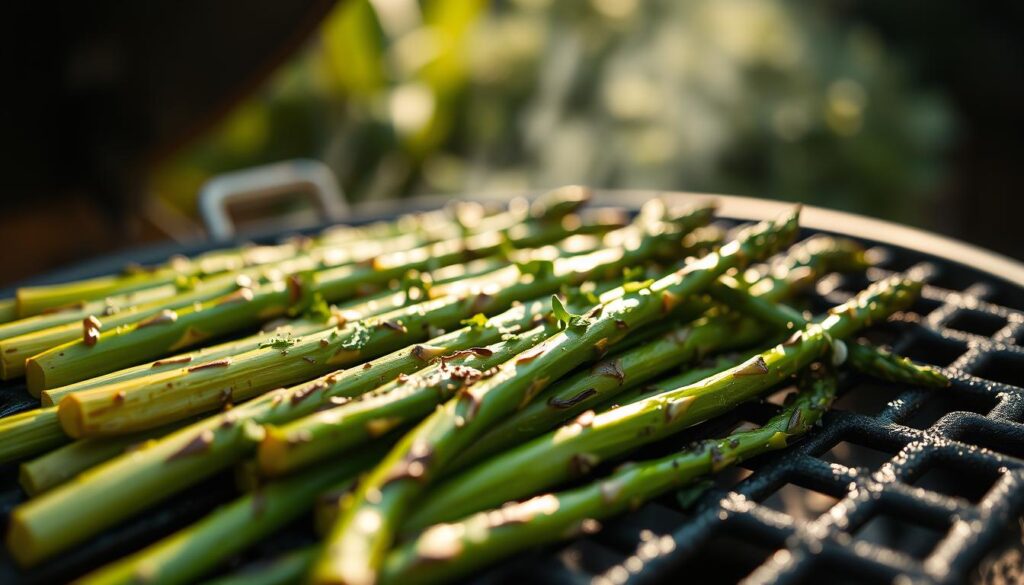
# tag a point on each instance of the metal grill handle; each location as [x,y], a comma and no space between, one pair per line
[260,183]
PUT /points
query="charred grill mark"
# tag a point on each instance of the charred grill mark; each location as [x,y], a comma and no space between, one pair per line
[172,361]
[215,364]
[242,295]
[611,368]
[755,367]
[165,316]
[394,326]
[294,289]
[198,444]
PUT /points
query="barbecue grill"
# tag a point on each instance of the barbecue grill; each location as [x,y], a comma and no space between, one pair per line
[899,485]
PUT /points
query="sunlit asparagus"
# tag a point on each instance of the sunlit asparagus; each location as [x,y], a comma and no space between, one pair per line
[60,465]
[574,448]
[403,401]
[173,295]
[192,552]
[26,338]
[8,310]
[445,552]
[433,225]
[365,531]
[31,434]
[861,356]
[137,479]
[172,330]
[15,350]
[803,264]
[321,435]
[27,433]
[287,569]
[150,402]
[351,310]
[129,483]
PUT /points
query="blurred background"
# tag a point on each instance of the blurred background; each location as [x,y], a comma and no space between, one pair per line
[115,114]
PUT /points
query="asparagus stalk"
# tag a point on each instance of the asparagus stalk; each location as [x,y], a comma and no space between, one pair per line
[881,363]
[555,457]
[129,483]
[36,431]
[194,551]
[27,433]
[352,310]
[14,351]
[8,310]
[315,438]
[318,436]
[428,226]
[365,531]
[862,356]
[60,465]
[151,402]
[87,357]
[296,328]
[445,552]
[804,263]
[287,569]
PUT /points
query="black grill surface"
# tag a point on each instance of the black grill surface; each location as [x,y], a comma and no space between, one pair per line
[899,485]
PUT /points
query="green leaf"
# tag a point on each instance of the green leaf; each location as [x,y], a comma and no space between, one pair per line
[278,343]
[319,309]
[563,314]
[478,321]
[358,338]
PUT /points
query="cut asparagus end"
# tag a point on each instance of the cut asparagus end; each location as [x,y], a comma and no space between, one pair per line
[273,453]
[35,378]
[71,416]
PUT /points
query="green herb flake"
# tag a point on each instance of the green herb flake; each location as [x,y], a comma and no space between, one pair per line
[278,343]
[478,321]
[358,338]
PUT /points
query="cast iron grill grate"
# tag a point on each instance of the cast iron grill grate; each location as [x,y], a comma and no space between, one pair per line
[898,484]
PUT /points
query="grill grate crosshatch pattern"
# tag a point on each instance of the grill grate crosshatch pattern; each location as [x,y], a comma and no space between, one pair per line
[898,485]
[884,525]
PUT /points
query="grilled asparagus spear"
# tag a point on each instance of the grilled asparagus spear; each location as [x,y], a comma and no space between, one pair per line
[364,532]
[866,358]
[129,483]
[192,552]
[804,263]
[444,552]
[556,456]
[172,330]
[127,408]
[326,433]
[433,225]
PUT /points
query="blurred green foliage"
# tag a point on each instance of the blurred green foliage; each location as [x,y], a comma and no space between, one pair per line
[769,98]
